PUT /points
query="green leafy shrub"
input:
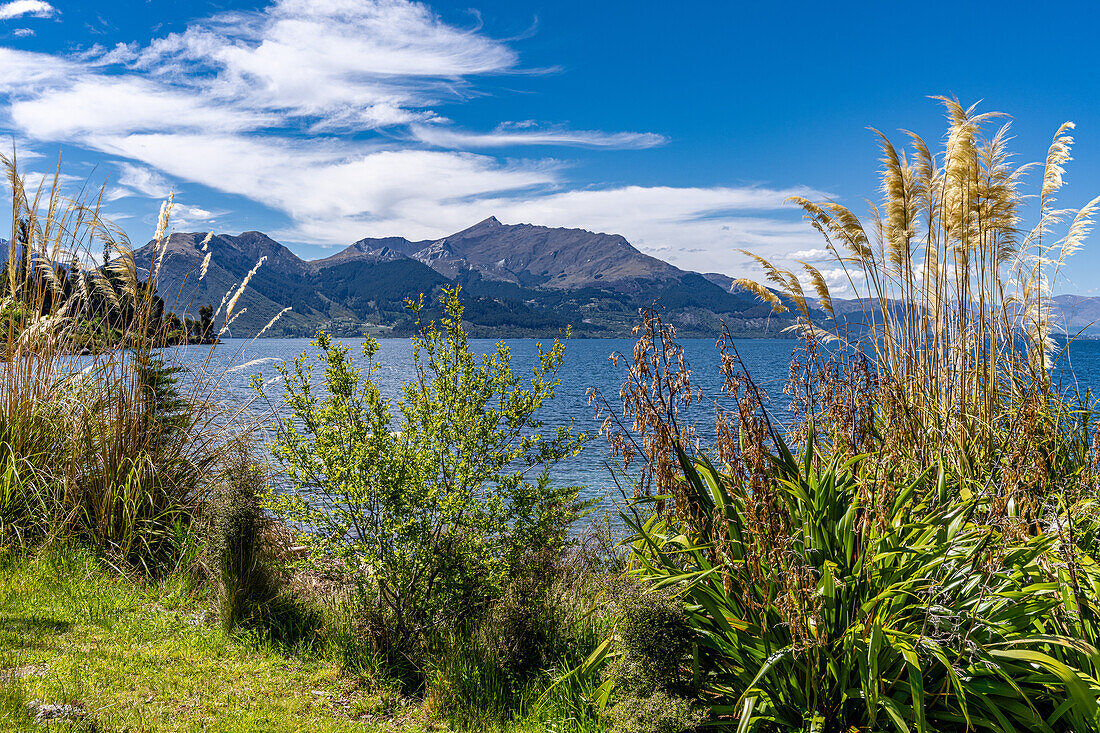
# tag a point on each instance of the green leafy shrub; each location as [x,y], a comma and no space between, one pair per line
[247,582]
[652,672]
[657,712]
[655,643]
[522,628]
[927,563]
[427,516]
[816,608]
[831,591]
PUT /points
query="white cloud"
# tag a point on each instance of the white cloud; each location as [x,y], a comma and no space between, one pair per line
[314,182]
[445,137]
[45,178]
[339,63]
[108,105]
[197,213]
[328,66]
[20,8]
[25,73]
[142,180]
[23,153]
[840,282]
[23,32]
[811,255]
[284,106]
[186,217]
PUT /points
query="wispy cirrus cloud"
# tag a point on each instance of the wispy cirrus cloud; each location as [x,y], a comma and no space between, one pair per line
[510,136]
[110,105]
[327,111]
[24,74]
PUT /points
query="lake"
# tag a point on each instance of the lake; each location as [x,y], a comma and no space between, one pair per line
[587,364]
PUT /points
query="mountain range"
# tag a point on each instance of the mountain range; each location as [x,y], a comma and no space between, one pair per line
[516,280]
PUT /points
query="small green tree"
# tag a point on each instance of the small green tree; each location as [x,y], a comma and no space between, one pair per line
[206,322]
[428,516]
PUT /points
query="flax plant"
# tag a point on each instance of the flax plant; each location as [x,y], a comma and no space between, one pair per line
[927,561]
[827,591]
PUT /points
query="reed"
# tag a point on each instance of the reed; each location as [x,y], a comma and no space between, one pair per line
[102,438]
[952,291]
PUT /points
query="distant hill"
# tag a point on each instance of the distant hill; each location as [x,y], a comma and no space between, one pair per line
[723,281]
[1072,316]
[517,280]
[283,280]
[1078,314]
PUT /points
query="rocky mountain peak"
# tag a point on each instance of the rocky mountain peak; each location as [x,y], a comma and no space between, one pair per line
[516,278]
[485,227]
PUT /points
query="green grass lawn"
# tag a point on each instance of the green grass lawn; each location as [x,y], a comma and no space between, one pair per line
[141,656]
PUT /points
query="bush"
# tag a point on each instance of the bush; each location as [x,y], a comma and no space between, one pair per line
[828,591]
[655,641]
[429,517]
[247,582]
[653,672]
[657,712]
[522,629]
[847,614]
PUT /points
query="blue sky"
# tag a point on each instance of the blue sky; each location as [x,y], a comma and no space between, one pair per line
[682,126]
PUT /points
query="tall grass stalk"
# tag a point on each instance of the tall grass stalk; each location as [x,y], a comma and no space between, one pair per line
[101,436]
[953,293]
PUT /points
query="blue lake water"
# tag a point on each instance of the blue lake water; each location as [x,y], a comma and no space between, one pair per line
[587,365]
